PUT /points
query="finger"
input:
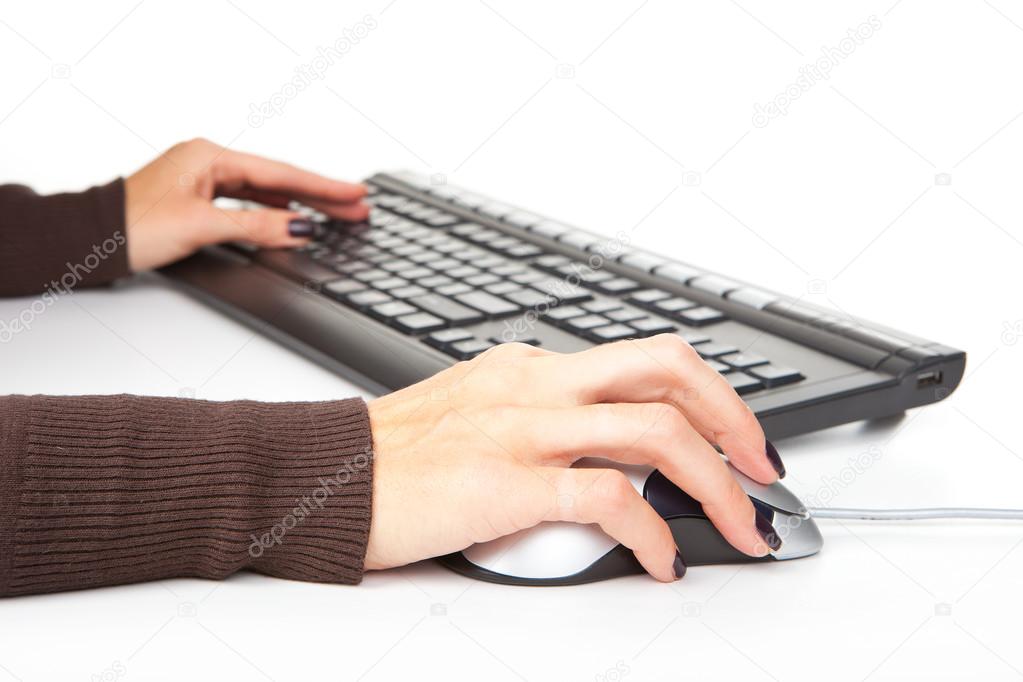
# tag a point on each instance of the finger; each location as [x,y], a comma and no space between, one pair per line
[238,168]
[258,195]
[657,435]
[354,211]
[662,368]
[607,498]
[270,227]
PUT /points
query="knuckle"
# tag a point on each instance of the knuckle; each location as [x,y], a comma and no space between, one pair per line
[615,492]
[674,347]
[667,424]
[513,349]
[729,497]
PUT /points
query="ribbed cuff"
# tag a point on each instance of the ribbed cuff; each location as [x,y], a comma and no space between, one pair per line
[117,489]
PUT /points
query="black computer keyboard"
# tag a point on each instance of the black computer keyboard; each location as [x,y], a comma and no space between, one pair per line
[430,275]
[439,274]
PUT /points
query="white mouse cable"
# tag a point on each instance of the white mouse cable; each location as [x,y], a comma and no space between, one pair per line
[915,514]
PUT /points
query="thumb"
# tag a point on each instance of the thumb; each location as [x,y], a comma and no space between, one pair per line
[270,227]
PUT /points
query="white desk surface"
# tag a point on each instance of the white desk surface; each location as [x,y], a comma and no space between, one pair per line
[842,201]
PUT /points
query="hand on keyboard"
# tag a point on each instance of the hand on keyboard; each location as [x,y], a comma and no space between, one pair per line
[482,449]
[170,212]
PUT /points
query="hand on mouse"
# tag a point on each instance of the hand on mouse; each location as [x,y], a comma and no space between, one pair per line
[169,203]
[483,449]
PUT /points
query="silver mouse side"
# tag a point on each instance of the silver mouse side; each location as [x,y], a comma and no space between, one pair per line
[572,554]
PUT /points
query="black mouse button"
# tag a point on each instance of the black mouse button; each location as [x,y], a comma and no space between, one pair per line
[668,499]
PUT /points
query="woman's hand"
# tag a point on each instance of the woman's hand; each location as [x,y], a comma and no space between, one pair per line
[483,449]
[170,212]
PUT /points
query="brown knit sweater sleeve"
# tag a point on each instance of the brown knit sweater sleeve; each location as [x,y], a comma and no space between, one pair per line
[60,242]
[102,490]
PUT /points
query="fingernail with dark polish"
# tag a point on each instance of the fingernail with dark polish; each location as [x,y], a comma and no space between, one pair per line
[300,227]
[774,458]
[678,566]
[767,532]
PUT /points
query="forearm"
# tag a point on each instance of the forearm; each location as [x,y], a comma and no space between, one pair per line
[102,490]
[61,242]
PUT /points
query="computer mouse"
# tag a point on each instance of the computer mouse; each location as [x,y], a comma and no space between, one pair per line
[563,553]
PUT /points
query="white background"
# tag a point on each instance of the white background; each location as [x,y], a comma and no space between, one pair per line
[651,131]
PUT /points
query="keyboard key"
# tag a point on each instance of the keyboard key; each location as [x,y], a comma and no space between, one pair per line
[642,261]
[509,269]
[393,309]
[530,298]
[551,262]
[468,349]
[447,336]
[433,281]
[425,257]
[677,272]
[482,279]
[612,332]
[773,375]
[487,303]
[445,264]
[503,243]
[462,272]
[352,267]
[584,273]
[564,313]
[693,338]
[744,360]
[454,289]
[564,291]
[647,296]
[446,309]
[713,350]
[503,287]
[649,326]
[418,323]
[743,383]
[601,306]
[343,287]
[617,286]
[488,263]
[442,220]
[389,283]
[408,292]
[408,250]
[467,229]
[370,275]
[522,219]
[585,322]
[698,317]
[625,314]
[522,251]
[672,305]
[714,284]
[416,273]
[365,299]
[528,277]
[718,366]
